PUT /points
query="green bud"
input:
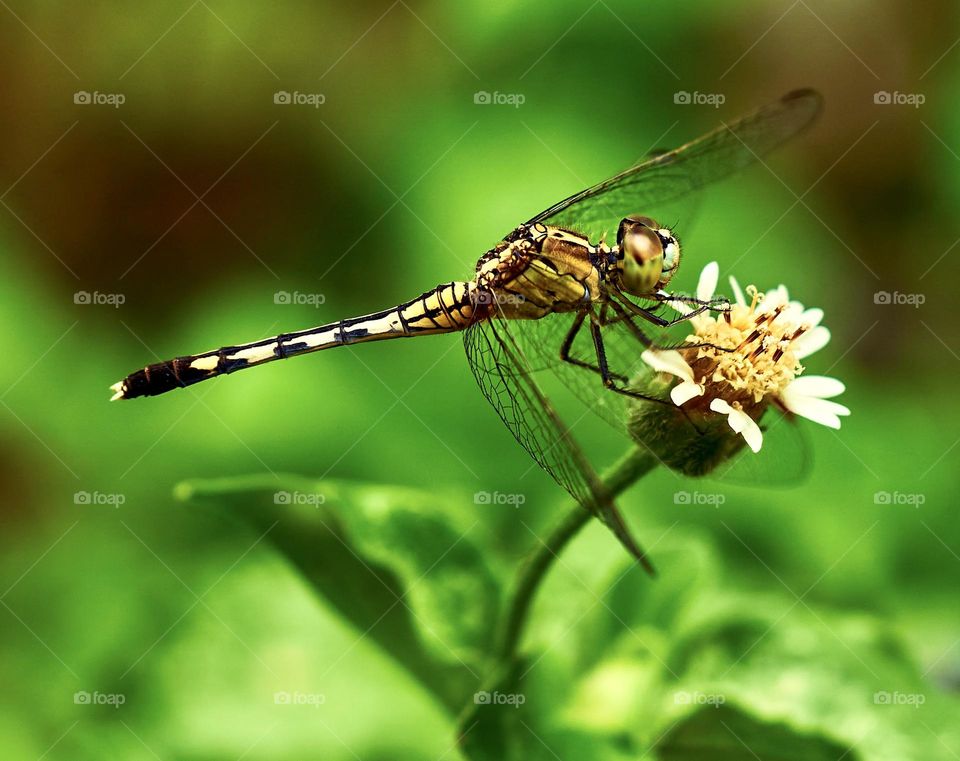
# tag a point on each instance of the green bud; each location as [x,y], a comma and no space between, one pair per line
[693,440]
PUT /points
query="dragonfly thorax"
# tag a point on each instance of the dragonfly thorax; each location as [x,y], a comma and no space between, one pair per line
[647,256]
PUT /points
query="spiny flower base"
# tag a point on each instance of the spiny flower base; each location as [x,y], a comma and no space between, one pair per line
[693,444]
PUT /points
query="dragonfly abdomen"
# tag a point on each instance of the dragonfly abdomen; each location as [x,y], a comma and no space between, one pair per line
[444,309]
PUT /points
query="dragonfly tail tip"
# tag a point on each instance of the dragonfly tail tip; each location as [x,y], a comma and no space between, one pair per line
[119,391]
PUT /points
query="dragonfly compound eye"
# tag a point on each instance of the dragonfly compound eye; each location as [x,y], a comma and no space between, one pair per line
[633,221]
[641,258]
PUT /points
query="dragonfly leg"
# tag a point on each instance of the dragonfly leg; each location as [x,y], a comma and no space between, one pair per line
[623,316]
[716,304]
[568,345]
[610,379]
[662,322]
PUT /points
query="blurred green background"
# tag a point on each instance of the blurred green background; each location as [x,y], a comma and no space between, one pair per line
[826,624]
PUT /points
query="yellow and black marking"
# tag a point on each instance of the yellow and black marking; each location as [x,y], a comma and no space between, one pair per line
[445,309]
[538,270]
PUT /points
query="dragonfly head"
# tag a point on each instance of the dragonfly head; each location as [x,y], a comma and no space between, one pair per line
[648,255]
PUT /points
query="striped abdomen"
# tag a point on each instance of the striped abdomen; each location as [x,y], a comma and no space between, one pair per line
[444,309]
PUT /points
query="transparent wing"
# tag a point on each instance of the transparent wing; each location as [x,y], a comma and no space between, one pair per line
[783,461]
[672,174]
[505,375]
[540,342]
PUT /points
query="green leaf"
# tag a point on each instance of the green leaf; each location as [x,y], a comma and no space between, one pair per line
[504,722]
[645,654]
[726,733]
[395,562]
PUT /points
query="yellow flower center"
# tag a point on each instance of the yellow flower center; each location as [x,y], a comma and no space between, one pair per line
[745,350]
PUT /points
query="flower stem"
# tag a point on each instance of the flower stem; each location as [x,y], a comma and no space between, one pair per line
[633,466]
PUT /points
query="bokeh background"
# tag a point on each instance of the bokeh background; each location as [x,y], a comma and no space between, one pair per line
[139,622]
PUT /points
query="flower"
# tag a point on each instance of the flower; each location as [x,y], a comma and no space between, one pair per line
[741,360]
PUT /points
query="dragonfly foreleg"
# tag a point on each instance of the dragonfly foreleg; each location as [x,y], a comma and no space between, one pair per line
[716,304]
[610,379]
[662,322]
[568,345]
[623,316]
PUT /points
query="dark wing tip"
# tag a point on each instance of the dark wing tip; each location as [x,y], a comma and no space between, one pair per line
[805,97]
[803,92]
[612,518]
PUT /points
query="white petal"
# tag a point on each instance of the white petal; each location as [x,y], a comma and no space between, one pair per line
[820,411]
[707,285]
[792,313]
[773,298]
[721,406]
[811,317]
[685,391]
[749,430]
[741,423]
[811,341]
[737,292]
[819,386]
[670,361]
[770,301]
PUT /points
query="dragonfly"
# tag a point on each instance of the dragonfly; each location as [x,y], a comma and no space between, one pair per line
[552,294]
